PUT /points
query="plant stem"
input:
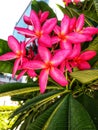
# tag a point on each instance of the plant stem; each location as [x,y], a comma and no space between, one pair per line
[85,4]
[71,83]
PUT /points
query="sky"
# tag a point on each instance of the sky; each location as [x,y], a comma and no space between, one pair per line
[10,12]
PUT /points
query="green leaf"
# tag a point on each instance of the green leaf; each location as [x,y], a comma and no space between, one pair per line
[11,89]
[38,5]
[40,121]
[93,45]
[3,47]
[73,11]
[17,88]
[96,5]
[85,76]
[91,105]
[37,100]
[6,66]
[65,10]
[92,17]
[69,114]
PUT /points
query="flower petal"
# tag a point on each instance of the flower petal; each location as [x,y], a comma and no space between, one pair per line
[78,38]
[49,25]
[8,56]
[45,40]
[15,68]
[31,73]
[27,20]
[80,22]
[54,40]
[65,44]
[13,44]
[57,30]
[33,65]
[44,16]
[84,65]
[75,51]
[90,30]
[35,20]
[58,76]
[25,31]
[21,74]
[65,24]
[43,79]
[88,55]
[44,53]
[72,23]
[60,56]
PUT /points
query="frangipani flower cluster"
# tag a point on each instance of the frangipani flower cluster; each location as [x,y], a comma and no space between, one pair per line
[50,47]
[67,2]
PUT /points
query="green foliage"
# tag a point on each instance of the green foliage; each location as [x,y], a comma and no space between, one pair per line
[37,6]
[67,115]
[5,67]
[96,6]
[7,108]
[89,8]
[3,47]
[91,105]
[5,112]
[62,113]
[85,76]
[74,107]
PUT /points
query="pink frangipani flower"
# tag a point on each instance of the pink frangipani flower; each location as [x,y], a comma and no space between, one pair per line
[42,17]
[77,59]
[67,2]
[87,31]
[40,32]
[49,65]
[18,53]
[65,34]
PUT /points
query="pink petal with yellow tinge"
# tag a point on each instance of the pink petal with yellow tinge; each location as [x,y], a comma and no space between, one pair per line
[90,30]
[49,25]
[72,24]
[59,57]
[44,53]
[80,22]
[8,56]
[45,40]
[15,68]
[84,65]
[55,39]
[88,55]
[21,74]
[44,16]
[78,38]
[68,67]
[57,30]
[25,31]
[22,47]
[75,51]
[13,44]
[58,76]
[31,73]
[65,44]
[43,79]
[35,20]
[33,65]
[62,66]
[65,24]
